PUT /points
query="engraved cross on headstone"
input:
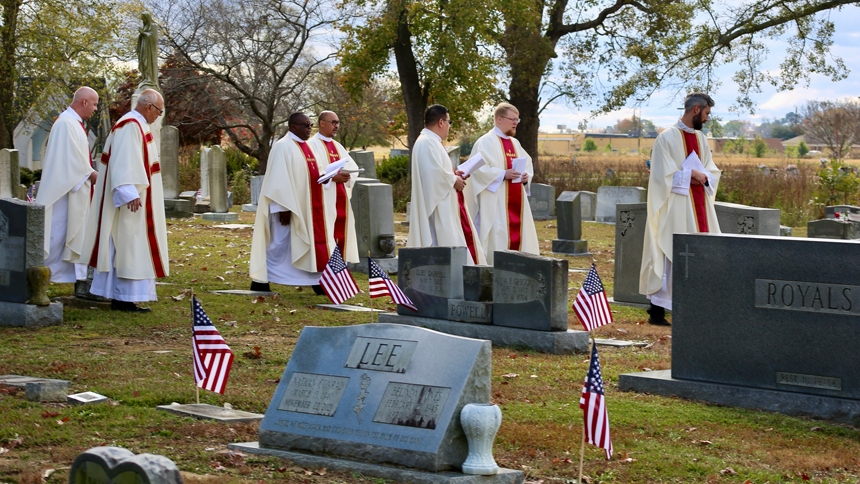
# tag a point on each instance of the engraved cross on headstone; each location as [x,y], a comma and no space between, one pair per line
[687,254]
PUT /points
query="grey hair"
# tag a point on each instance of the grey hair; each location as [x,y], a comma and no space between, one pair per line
[149,96]
[697,99]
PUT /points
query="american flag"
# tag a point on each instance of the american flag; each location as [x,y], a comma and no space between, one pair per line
[593,404]
[212,357]
[30,193]
[381,285]
[336,280]
[591,305]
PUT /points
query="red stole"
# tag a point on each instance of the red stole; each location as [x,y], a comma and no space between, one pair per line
[467,227]
[154,253]
[90,153]
[320,248]
[340,202]
[697,192]
[514,198]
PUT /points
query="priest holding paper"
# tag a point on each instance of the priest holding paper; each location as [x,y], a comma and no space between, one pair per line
[439,215]
[681,192]
[497,194]
[337,162]
[65,189]
[293,238]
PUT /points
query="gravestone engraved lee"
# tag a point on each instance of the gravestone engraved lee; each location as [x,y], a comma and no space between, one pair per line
[22,226]
[429,277]
[608,197]
[383,393]
[542,201]
[767,325]
[529,291]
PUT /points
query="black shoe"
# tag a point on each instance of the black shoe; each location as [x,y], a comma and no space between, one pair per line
[318,290]
[128,307]
[260,286]
[657,316]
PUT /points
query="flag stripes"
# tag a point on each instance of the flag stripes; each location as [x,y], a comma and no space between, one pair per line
[212,357]
[591,305]
[336,280]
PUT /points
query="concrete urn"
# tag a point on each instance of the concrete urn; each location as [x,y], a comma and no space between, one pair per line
[481,422]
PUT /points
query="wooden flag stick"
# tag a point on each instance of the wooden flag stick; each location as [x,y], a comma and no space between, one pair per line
[368,287]
[196,388]
[582,447]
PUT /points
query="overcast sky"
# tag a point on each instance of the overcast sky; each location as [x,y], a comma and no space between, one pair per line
[663,110]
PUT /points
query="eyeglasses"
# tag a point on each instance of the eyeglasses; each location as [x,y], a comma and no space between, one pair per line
[304,125]
[333,123]
[450,121]
[160,110]
[516,120]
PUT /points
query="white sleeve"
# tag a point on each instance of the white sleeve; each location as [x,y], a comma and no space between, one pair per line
[681,182]
[493,187]
[124,194]
[81,183]
[275,207]
[709,188]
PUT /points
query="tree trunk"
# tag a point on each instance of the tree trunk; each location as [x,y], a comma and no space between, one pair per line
[8,71]
[414,96]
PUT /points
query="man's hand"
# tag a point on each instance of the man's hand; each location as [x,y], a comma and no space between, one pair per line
[462,174]
[93,176]
[459,184]
[133,205]
[525,177]
[511,174]
[284,217]
[341,177]
[698,177]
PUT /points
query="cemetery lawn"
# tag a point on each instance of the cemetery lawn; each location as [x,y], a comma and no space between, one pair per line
[141,361]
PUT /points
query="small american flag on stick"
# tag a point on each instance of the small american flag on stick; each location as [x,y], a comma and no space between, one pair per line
[212,357]
[336,280]
[381,285]
[591,305]
[593,404]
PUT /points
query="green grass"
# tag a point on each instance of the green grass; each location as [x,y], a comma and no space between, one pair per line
[141,361]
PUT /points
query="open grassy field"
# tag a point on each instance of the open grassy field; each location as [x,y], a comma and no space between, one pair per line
[141,361]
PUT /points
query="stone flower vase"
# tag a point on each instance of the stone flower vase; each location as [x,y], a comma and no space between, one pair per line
[39,277]
[481,422]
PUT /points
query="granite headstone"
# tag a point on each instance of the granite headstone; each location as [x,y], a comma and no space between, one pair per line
[568,219]
[608,197]
[217,179]
[746,220]
[542,201]
[632,222]
[529,291]
[366,160]
[373,208]
[829,228]
[204,173]
[22,235]
[170,161]
[10,175]
[831,210]
[430,276]
[588,205]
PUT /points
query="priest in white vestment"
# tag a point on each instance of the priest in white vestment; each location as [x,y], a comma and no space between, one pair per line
[65,188]
[439,216]
[292,239]
[330,154]
[497,194]
[681,192]
[126,239]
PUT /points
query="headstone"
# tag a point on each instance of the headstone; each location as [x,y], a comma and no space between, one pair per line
[785,231]
[22,227]
[832,229]
[429,277]
[588,205]
[211,412]
[115,465]
[366,160]
[178,208]
[189,195]
[204,173]
[373,209]
[608,197]
[383,393]
[38,389]
[453,154]
[398,152]
[542,201]
[529,291]
[831,210]
[217,179]
[10,175]
[632,222]
[256,186]
[478,283]
[408,212]
[170,161]
[85,398]
[744,219]
[763,322]
[569,223]
[470,311]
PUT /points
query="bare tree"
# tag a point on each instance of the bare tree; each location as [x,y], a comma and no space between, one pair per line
[835,124]
[262,53]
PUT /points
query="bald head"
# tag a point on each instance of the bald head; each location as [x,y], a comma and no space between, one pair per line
[150,104]
[328,123]
[85,102]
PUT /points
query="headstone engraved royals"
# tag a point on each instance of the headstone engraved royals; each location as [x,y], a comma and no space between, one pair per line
[753,331]
[744,219]
[429,277]
[381,394]
[366,160]
[529,291]
[542,201]
[568,219]
[373,209]
[630,226]
[608,197]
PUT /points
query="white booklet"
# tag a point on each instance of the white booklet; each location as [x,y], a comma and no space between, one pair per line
[472,165]
[518,164]
[331,170]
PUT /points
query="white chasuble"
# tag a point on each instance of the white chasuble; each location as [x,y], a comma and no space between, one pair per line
[339,216]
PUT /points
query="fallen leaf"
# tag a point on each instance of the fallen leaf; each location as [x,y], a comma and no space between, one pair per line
[728,471]
[622,331]
[321,471]
[533,376]
[510,375]
[178,297]
[135,393]
[690,429]
[292,311]
[805,476]
[47,473]
[815,429]
[219,278]
[204,269]
[50,414]
[702,442]
[194,280]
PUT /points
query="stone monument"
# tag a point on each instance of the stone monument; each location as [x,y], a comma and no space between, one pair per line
[256,186]
[115,465]
[541,201]
[217,178]
[10,175]
[365,160]
[174,207]
[608,197]
[373,209]
[568,218]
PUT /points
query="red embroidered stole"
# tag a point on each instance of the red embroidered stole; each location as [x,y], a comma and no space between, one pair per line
[513,198]
[320,248]
[340,202]
[467,227]
[154,253]
[697,192]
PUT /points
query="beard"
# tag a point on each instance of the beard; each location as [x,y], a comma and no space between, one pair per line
[511,132]
[697,122]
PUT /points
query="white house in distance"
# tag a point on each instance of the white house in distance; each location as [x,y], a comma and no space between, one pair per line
[31,141]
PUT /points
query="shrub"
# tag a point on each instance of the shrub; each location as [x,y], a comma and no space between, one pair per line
[240,185]
[802,149]
[238,161]
[29,177]
[589,145]
[189,168]
[836,186]
[759,146]
[393,169]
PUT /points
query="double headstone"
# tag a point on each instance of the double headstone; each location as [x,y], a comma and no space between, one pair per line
[22,235]
[568,218]
[366,161]
[763,322]
[373,208]
[174,207]
[608,197]
[542,201]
